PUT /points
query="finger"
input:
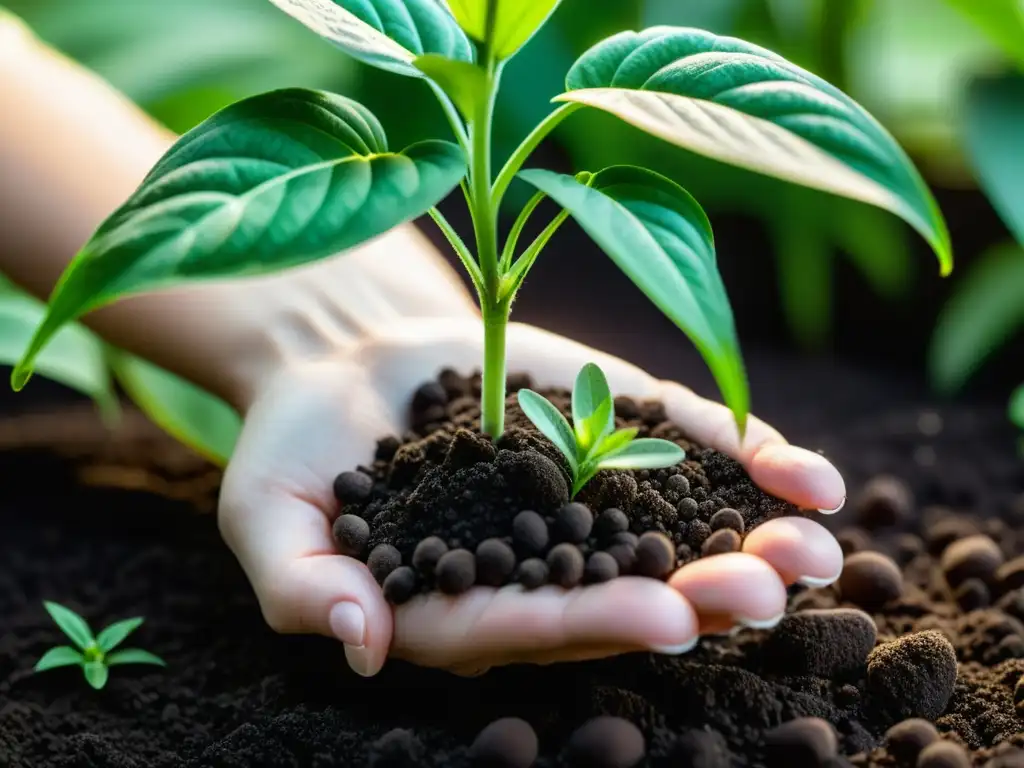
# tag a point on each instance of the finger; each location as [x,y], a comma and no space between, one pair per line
[795,474]
[800,550]
[480,666]
[284,545]
[737,585]
[485,623]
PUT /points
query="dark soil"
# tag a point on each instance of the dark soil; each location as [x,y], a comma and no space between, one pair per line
[485,508]
[932,646]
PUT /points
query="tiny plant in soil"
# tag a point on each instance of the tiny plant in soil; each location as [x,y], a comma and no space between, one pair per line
[592,443]
[293,176]
[94,654]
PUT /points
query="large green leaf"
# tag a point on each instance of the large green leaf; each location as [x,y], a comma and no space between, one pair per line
[388,34]
[74,358]
[741,104]
[274,181]
[985,310]
[661,238]
[994,129]
[514,23]
[1002,21]
[193,416]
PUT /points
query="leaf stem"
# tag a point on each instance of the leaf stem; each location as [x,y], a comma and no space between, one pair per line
[454,119]
[525,149]
[509,250]
[460,248]
[513,280]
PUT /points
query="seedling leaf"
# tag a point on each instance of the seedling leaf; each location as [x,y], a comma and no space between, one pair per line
[514,23]
[1017,407]
[645,453]
[551,423]
[741,104]
[71,624]
[275,181]
[114,635]
[96,673]
[388,34]
[464,82]
[134,656]
[613,443]
[61,656]
[593,411]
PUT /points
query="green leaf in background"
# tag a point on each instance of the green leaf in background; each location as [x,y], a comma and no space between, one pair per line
[191,415]
[74,358]
[61,656]
[465,83]
[593,411]
[645,453]
[514,24]
[134,656]
[275,181]
[741,104]
[660,237]
[388,34]
[985,310]
[114,635]
[96,674]
[1002,21]
[994,133]
[550,422]
[1017,407]
[70,623]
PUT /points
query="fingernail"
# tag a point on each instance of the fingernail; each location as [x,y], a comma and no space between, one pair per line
[833,511]
[676,650]
[359,660]
[816,582]
[348,624]
[760,623]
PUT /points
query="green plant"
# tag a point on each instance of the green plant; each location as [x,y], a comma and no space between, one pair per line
[95,655]
[592,443]
[293,176]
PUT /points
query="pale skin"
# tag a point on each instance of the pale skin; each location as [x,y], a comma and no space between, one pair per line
[322,361]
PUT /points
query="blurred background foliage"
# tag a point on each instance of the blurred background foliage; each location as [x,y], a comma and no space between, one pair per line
[920,66]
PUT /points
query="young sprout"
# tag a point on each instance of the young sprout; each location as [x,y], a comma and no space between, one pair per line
[592,443]
[93,654]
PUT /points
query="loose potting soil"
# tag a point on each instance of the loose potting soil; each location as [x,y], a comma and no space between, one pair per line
[914,658]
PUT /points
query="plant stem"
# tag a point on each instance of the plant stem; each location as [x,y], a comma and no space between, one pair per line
[492,403]
[523,151]
[509,252]
[460,249]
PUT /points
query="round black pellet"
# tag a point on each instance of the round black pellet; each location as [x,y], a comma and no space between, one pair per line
[565,565]
[721,542]
[400,585]
[655,556]
[573,522]
[687,509]
[352,487]
[610,522]
[606,742]
[532,573]
[456,571]
[808,742]
[625,557]
[870,579]
[943,754]
[907,738]
[495,562]
[429,395]
[530,535]
[625,537]
[382,561]
[678,484]
[600,567]
[727,518]
[427,553]
[506,743]
[352,534]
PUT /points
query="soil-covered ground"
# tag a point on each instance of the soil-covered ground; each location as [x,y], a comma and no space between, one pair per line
[926,623]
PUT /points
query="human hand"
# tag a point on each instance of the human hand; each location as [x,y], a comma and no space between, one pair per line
[322,414]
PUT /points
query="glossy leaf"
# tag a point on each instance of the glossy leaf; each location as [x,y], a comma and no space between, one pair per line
[1017,407]
[134,656]
[551,423]
[645,453]
[514,23]
[741,104]
[1002,21]
[994,125]
[61,656]
[71,624]
[115,634]
[464,82]
[74,358]
[96,674]
[191,415]
[593,411]
[660,237]
[616,441]
[984,312]
[275,181]
[388,34]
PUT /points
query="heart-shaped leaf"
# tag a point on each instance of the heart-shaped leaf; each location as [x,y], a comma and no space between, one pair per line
[514,23]
[741,104]
[275,181]
[661,238]
[388,34]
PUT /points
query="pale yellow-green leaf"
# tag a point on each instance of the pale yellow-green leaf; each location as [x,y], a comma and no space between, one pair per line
[515,21]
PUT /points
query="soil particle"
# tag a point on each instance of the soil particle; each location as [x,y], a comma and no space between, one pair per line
[400,585]
[655,556]
[573,523]
[606,742]
[352,534]
[943,754]
[398,748]
[383,559]
[427,554]
[721,542]
[914,675]
[610,522]
[565,566]
[829,643]
[495,563]
[972,595]
[807,742]
[906,739]
[884,501]
[352,487]
[456,571]
[506,743]
[727,518]
[600,567]
[532,573]
[529,534]
[1010,575]
[698,749]
[870,580]
[976,557]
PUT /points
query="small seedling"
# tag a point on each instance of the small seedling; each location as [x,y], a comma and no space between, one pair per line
[592,443]
[93,654]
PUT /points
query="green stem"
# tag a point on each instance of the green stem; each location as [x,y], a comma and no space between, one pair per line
[515,276]
[525,149]
[458,127]
[493,400]
[509,251]
[460,248]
